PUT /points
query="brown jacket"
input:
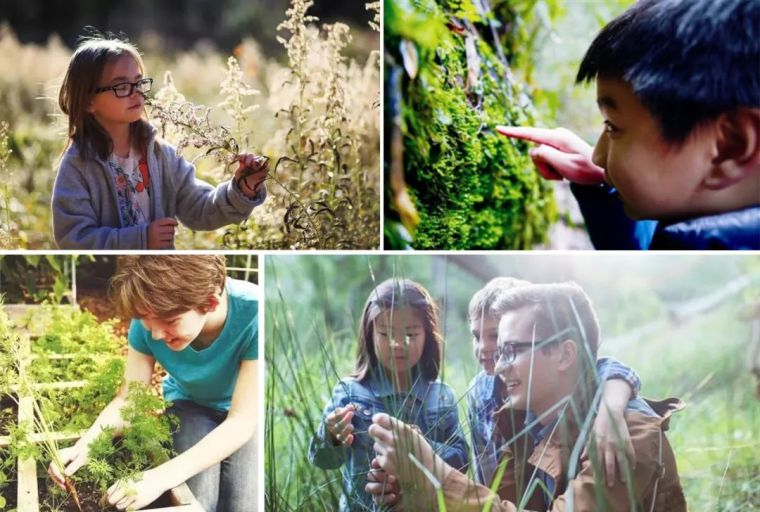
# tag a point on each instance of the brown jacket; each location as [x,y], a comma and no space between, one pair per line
[654,478]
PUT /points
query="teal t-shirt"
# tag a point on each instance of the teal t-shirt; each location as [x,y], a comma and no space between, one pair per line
[208,376]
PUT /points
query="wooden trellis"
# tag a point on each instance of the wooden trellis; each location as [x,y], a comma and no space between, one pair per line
[181,497]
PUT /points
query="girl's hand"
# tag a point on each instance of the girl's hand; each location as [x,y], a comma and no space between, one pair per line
[251,173]
[161,233]
[136,494]
[339,425]
[560,154]
[73,458]
[614,449]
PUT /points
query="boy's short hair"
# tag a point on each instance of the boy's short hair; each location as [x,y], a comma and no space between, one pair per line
[166,285]
[688,61]
[484,298]
[555,307]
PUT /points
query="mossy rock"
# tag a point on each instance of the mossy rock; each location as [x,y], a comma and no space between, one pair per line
[472,188]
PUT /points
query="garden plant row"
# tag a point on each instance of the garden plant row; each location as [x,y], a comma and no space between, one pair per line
[59,367]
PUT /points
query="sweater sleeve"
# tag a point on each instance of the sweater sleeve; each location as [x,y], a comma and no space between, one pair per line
[201,206]
[75,222]
[607,223]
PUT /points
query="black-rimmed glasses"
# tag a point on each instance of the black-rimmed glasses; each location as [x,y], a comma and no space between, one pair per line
[125,89]
[509,350]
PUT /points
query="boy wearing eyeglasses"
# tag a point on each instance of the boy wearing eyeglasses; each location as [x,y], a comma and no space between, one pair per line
[118,185]
[548,337]
[487,393]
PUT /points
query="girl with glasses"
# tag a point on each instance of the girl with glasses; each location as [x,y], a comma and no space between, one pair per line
[118,185]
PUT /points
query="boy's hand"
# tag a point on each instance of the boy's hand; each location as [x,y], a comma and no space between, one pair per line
[614,449]
[384,488]
[561,154]
[136,494]
[73,458]
[395,440]
[339,425]
[251,173]
[161,233]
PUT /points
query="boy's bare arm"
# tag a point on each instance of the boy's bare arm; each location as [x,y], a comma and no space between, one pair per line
[560,154]
[138,368]
[218,444]
[614,449]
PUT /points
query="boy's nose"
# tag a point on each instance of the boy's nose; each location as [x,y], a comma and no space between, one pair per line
[599,156]
[157,334]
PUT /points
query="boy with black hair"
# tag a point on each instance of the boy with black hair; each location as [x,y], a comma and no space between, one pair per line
[678,85]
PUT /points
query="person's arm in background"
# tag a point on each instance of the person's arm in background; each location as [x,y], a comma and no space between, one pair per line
[561,154]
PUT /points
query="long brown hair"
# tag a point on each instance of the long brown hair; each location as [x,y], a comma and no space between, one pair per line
[78,87]
[397,293]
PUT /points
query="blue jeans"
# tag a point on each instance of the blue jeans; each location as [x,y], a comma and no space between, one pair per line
[229,486]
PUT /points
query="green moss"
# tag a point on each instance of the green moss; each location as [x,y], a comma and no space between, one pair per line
[473,188]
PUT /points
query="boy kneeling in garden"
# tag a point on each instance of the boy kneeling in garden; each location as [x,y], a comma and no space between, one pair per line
[547,343]
[679,89]
[202,327]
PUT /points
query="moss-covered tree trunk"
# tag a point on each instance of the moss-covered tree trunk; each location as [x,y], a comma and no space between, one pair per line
[452,182]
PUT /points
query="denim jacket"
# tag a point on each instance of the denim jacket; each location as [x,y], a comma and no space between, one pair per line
[430,405]
[484,399]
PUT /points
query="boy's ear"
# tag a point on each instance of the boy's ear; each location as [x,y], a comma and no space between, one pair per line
[568,353]
[737,148]
[213,303]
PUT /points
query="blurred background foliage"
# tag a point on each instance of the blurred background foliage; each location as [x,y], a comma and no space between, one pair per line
[175,25]
[680,321]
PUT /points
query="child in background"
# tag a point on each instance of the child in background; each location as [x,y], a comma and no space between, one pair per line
[202,327]
[120,187]
[397,364]
[678,86]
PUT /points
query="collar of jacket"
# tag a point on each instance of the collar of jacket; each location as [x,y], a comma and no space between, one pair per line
[552,454]
[383,387]
[739,229]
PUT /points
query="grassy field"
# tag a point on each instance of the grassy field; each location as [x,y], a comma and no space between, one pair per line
[313,304]
[314,112]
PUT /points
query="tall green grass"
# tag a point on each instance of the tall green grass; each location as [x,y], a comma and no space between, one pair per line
[313,305]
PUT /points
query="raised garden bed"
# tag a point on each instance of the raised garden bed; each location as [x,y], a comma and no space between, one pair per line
[76,404]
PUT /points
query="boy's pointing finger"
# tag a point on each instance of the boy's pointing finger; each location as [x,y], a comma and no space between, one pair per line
[538,135]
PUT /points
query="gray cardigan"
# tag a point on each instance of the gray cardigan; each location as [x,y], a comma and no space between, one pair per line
[85,213]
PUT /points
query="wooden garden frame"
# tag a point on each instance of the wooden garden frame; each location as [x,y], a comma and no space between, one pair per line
[181,497]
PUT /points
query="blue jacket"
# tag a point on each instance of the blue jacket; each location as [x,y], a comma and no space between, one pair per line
[484,398]
[431,406]
[610,228]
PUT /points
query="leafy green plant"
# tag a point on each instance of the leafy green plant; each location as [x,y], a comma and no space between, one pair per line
[35,278]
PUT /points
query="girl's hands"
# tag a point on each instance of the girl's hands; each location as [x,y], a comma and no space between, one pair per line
[338,424]
[73,458]
[560,154]
[251,173]
[136,494]
[161,233]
